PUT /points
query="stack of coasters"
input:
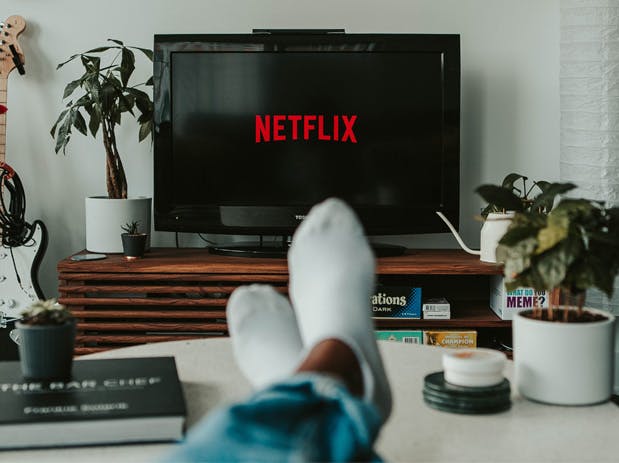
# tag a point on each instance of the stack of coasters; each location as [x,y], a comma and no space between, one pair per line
[444,396]
[472,383]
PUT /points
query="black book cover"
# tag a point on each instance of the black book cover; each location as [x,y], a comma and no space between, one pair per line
[99,390]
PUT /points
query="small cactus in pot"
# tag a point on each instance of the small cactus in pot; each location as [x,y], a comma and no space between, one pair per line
[46,336]
[134,242]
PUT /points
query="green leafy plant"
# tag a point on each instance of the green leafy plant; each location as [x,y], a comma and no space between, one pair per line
[46,313]
[574,247]
[514,195]
[105,96]
[131,228]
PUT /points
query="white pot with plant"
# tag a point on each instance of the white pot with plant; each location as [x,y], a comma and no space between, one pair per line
[564,354]
[513,195]
[105,96]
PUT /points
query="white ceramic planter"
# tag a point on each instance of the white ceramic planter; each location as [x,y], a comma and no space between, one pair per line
[564,363]
[105,217]
[492,231]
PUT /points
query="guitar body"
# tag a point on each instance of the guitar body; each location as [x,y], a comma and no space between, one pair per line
[19,263]
[19,269]
[19,288]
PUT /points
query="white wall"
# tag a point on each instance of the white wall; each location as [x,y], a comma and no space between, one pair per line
[510,90]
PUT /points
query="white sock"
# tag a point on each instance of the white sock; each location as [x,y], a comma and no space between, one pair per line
[265,337]
[331,281]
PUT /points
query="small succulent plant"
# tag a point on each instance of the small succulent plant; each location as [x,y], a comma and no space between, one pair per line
[131,228]
[47,312]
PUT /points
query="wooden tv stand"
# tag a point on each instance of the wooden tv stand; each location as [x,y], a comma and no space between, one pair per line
[174,294]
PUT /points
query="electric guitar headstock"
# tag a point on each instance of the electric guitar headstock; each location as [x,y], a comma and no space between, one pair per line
[11,55]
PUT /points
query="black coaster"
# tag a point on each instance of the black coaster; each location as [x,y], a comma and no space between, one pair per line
[441,395]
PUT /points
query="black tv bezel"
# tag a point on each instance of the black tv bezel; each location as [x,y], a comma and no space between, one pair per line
[282,219]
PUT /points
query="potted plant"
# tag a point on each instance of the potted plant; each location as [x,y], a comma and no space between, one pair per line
[134,242]
[565,354]
[104,95]
[513,195]
[46,335]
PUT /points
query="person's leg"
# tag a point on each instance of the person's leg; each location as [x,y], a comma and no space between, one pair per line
[332,278]
[265,337]
[312,416]
[332,408]
[334,358]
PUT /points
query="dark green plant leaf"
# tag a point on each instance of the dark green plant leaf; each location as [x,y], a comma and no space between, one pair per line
[553,264]
[149,82]
[580,210]
[145,130]
[101,49]
[146,51]
[93,87]
[127,66]
[95,122]
[500,197]
[91,64]
[145,107]
[83,101]
[138,94]
[542,185]
[546,199]
[510,179]
[125,103]
[79,123]
[117,42]
[70,88]
[516,258]
[53,130]
[64,134]
[145,117]
[555,231]
[67,61]
[109,95]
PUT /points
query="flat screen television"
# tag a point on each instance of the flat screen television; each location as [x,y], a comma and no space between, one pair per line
[251,130]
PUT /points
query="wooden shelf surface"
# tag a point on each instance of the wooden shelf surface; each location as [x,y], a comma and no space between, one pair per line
[182,293]
[467,316]
[200,261]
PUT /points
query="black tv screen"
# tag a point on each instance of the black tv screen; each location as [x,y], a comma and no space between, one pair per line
[252,130]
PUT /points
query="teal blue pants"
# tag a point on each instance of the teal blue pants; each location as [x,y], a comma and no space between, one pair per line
[309,417]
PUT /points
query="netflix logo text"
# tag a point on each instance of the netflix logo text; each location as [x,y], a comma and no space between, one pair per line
[283,127]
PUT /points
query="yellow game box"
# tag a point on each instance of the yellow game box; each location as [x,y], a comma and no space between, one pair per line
[451,339]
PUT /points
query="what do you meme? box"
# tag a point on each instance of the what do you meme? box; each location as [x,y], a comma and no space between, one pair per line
[508,303]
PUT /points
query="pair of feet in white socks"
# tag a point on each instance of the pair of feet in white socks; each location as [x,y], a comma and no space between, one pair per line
[331,270]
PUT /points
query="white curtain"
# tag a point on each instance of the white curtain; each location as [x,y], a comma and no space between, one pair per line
[589,89]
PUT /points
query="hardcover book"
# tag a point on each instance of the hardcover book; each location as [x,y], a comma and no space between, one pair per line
[106,401]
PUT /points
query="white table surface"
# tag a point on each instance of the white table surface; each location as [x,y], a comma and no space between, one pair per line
[529,432]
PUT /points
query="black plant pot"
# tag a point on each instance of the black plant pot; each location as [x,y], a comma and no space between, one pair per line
[46,351]
[134,245]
